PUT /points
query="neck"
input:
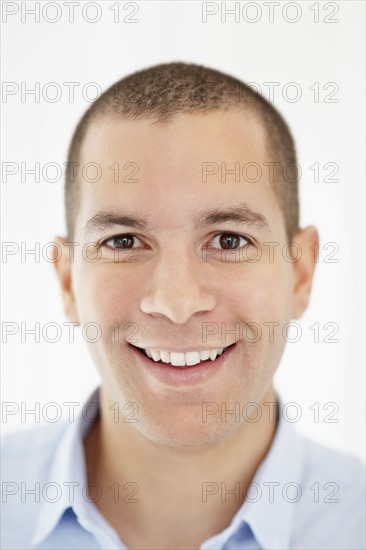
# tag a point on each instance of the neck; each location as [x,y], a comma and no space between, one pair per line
[210,482]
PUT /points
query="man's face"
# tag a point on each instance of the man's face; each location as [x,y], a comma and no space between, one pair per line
[171,286]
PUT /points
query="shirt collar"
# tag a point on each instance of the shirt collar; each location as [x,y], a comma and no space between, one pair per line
[281,471]
[67,472]
[270,521]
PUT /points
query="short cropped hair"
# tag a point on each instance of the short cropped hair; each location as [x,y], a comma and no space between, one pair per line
[168,89]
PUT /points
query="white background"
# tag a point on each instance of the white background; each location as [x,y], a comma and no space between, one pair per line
[305,52]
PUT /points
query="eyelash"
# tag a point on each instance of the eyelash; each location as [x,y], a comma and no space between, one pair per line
[227,233]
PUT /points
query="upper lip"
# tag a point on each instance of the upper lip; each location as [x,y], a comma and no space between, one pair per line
[186,350]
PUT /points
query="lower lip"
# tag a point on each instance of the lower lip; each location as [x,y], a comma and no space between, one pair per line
[189,376]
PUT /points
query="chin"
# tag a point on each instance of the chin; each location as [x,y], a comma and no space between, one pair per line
[186,434]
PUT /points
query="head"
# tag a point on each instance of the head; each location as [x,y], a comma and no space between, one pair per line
[204,262]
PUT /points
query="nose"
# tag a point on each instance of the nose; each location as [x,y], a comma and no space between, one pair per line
[175,289]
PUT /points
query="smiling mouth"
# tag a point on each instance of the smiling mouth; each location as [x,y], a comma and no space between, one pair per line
[183,360]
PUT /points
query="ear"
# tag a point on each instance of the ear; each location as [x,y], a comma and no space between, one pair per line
[307,240]
[61,261]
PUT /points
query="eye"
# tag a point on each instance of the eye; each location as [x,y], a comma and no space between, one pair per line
[230,241]
[121,242]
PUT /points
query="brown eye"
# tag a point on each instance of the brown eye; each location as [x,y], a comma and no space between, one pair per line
[123,242]
[230,241]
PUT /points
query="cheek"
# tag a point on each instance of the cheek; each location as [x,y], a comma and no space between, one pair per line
[258,292]
[107,294]
[260,299]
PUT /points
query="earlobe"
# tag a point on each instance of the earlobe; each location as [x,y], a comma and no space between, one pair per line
[61,261]
[307,241]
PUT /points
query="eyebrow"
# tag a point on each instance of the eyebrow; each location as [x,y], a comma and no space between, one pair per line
[239,214]
[106,219]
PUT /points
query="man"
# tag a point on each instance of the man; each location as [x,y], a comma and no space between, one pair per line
[181,202]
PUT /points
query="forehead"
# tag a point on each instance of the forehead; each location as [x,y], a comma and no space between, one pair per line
[192,136]
[191,161]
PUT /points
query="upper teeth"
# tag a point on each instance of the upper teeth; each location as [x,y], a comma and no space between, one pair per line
[183,359]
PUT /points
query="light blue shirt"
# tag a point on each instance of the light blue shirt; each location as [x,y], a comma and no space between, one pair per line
[303,494]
